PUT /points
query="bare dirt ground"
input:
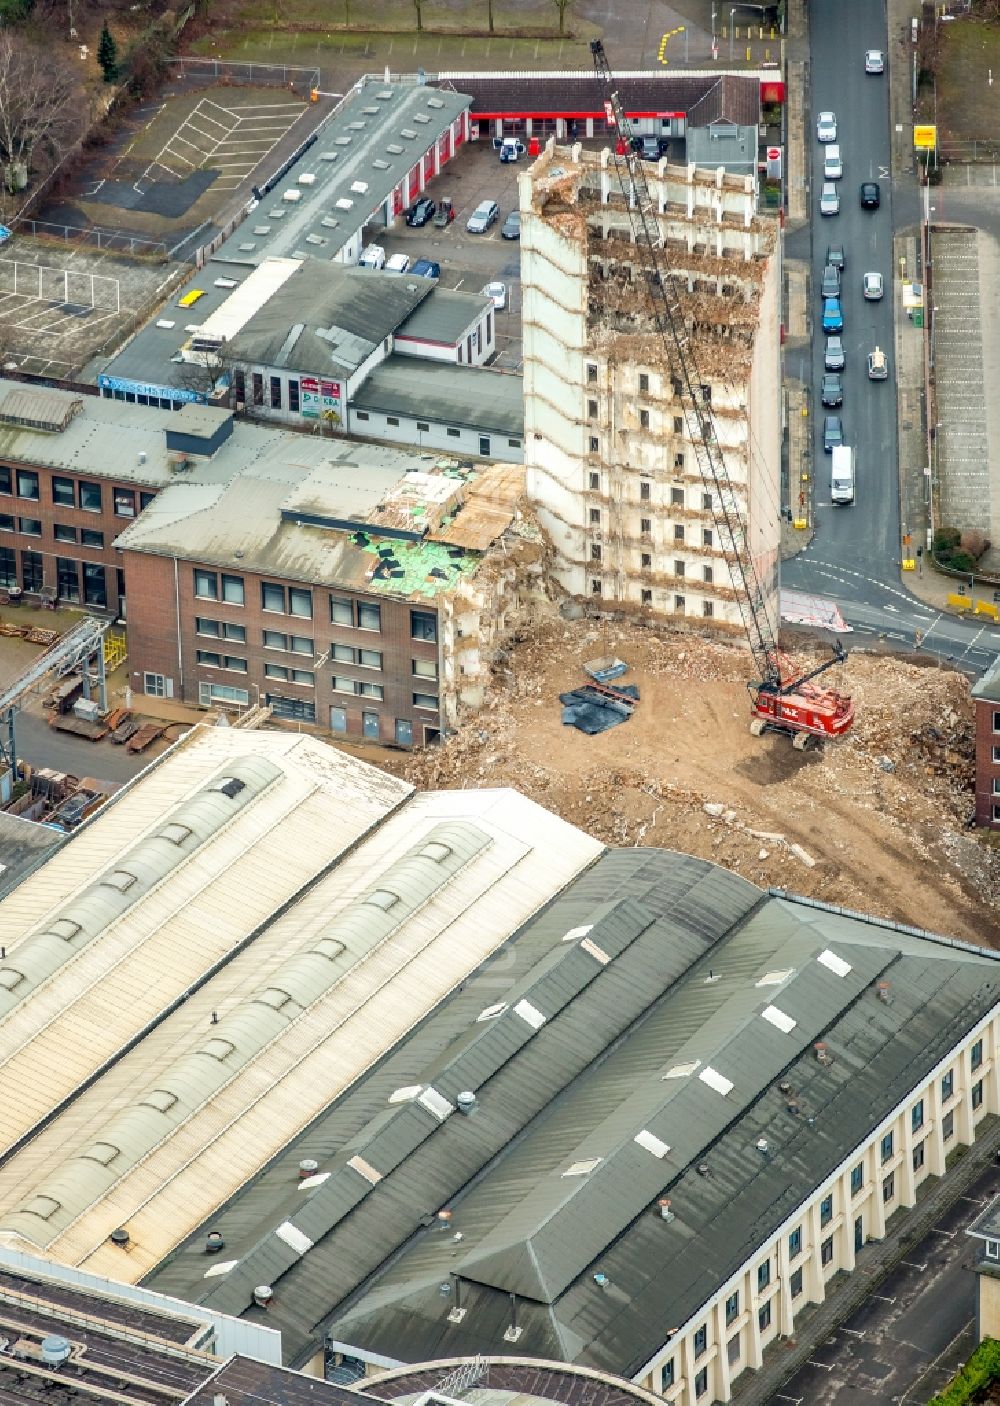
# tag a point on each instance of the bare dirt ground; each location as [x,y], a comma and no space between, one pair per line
[882,814]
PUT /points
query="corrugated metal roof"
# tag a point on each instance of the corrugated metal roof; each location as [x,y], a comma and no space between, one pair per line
[445,317]
[473,397]
[587,1062]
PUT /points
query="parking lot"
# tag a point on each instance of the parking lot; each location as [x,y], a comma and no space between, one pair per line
[469,261]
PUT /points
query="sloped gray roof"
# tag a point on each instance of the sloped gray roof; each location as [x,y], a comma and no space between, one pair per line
[444,317]
[636,1030]
[468,397]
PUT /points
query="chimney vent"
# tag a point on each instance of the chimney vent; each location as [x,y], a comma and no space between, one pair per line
[214,1242]
[885,993]
[762,1145]
[55,1350]
[665,1212]
[308,1167]
[466,1102]
[822,1053]
[120,1237]
[262,1295]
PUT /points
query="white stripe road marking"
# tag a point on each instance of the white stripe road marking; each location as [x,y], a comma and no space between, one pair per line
[812,1363]
[910,1265]
[882,1297]
[948,1234]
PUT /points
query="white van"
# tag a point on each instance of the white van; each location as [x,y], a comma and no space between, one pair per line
[833,167]
[842,474]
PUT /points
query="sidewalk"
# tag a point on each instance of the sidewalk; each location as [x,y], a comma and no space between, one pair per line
[847,1292]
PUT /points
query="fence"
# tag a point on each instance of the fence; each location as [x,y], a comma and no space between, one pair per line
[108,240]
[970,151]
[266,75]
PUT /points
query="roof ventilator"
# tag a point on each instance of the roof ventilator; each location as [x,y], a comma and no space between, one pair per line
[214,1242]
[666,1214]
[308,1167]
[466,1101]
[263,1295]
[884,991]
[457,1312]
[513,1331]
[120,1237]
[823,1055]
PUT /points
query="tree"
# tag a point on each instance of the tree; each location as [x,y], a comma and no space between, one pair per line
[40,108]
[107,54]
[147,59]
[562,6]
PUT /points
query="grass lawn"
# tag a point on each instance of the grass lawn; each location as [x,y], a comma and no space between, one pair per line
[966,104]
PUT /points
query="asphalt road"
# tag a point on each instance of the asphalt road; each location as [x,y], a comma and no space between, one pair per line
[854,555]
[40,745]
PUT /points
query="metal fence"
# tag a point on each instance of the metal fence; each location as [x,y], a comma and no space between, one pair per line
[266,75]
[970,150]
[117,242]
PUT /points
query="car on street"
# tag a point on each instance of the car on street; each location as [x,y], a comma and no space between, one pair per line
[483,216]
[511,227]
[826,127]
[874,61]
[870,195]
[833,354]
[426,268]
[878,365]
[829,200]
[421,212]
[397,263]
[832,389]
[373,257]
[873,287]
[833,432]
[830,284]
[835,256]
[498,292]
[833,316]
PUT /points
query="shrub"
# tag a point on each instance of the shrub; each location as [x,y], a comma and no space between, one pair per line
[974,542]
[982,1368]
[946,539]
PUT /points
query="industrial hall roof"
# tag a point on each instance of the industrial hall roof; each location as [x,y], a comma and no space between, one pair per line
[218,954]
[638,1039]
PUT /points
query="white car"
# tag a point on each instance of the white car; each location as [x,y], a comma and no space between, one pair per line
[399,263]
[498,292]
[873,287]
[829,200]
[826,127]
[373,257]
[874,61]
[483,216]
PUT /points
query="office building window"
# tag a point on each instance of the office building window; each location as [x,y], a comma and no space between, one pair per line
[272,597]
[917,1115]
[275,671]
[341,654]
[275,392]
[423,626]
[293,396]
[701,1383]
[889,1187]
[124,502]
[732,1307]
[233,592]
[27,484]
[206,585]
[6,479]
[63,492]
[68,579]
[826,1210]
[948,1126]
[595,517]
[795,1243]
[947,1085]
[7,524]
[886,1147]
[706,536]
[61,531]
[369,616]
[144,500]
[644,419]
[425,700]
[29,526]
[90,496]
[300,602]
[341,611]
[8,567]
[643,383]
[677,497]
[257,382]
[764,1316]
[344,685]
[977,1054]
[595,480]
[370,658]
[667,1375]
[91,537]
[678,532]
[763,1275]
[857,1178]
[374,690]
[826,1250]
[31,571]
[95,591]
[701,1340]
[918,1156]
[795,1284]
[977,1089]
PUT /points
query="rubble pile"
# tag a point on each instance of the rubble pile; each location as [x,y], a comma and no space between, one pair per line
[877,822]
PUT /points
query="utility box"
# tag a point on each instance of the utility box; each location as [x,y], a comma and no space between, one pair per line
[86,709]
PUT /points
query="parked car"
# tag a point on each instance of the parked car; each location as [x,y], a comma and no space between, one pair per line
[829,200]
[445,214]
[426,268]
[870,195]
[498,292]
[878,365]
[373,257]
[649,148]
[826,127]
[874,61]
[833,353]
[421,212]
[833,316]
[510,148]
[835,256]
[873,287]
[484,215]
[830,284]
[832,389]
[833,432]
[833,165]
[398,263]
[511,228]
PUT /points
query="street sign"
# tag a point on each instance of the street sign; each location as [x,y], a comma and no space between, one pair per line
[924,137]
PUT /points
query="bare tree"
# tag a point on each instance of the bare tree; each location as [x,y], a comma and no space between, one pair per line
[562,6]
[40,107]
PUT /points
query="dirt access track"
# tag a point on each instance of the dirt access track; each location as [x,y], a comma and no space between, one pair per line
[882,813]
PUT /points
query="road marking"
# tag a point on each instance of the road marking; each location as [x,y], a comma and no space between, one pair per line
[910,1265]
[854,1332]
[948,1234]
[811,1362]
[882,1297]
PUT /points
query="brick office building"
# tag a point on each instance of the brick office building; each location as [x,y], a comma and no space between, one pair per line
[986,696]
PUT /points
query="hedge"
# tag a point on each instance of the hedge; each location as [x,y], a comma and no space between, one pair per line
[982,1368]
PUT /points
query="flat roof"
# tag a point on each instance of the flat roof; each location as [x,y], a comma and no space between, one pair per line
[444,318]
[467,397]
[697,95]
[23,845]
[250,929]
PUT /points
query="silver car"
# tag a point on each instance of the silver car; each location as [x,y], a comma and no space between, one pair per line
[829,201]
[485,214]
[826,127]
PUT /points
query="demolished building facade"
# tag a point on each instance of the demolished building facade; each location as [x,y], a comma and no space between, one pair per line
[612,468]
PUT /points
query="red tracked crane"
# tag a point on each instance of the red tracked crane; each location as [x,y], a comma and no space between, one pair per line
[784,698]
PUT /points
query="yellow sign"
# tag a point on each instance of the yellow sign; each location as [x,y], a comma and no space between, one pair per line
[925,138]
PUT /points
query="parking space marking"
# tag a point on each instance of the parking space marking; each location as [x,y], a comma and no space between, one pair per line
[882,1297]
[948,1234]
[811,1363]
[910,1265]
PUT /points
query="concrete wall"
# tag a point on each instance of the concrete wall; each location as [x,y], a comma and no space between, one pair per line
[817,1241]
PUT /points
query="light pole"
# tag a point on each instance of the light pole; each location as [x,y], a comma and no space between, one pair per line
[732,12]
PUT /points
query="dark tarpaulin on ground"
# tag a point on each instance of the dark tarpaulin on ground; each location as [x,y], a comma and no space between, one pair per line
[591,711]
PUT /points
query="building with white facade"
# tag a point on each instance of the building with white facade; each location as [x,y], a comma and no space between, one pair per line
[612,465]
